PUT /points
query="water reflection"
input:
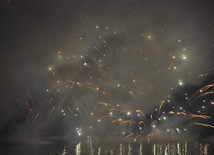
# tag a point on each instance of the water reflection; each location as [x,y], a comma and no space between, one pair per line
[64,151]
[182,148]
[78,149]
[92,148]
[179,148]
[99,150]
[166,150]
[203,149]
[121,149]
[129,149]
[185,145]
[140,150]
[111,151]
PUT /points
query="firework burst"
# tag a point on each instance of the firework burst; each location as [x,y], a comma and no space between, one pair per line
[118,81]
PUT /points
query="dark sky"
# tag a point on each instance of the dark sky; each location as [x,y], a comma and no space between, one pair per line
[31,32]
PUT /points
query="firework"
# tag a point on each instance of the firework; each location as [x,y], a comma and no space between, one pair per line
[99,77]
[123,85]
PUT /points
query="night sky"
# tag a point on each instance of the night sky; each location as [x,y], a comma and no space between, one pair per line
[130,54]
